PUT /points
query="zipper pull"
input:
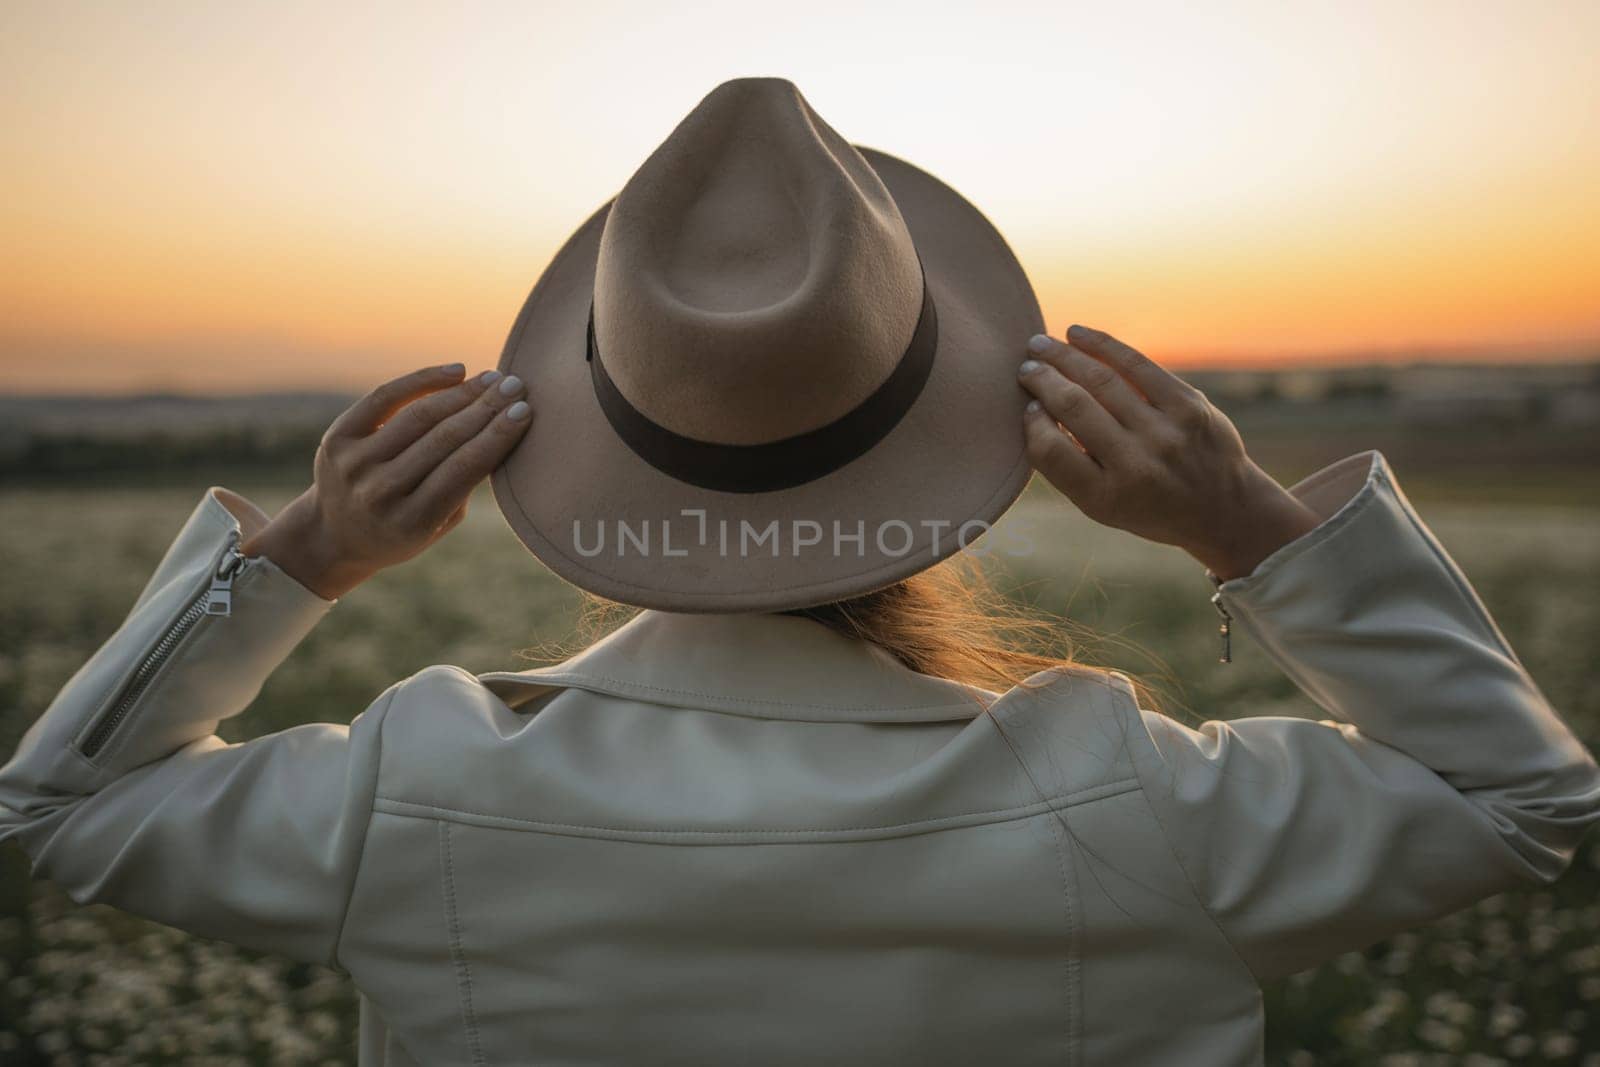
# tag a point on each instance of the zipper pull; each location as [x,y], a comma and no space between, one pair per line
[219,598]
[1225,630]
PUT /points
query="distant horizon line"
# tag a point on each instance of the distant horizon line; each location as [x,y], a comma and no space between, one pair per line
[1567,354]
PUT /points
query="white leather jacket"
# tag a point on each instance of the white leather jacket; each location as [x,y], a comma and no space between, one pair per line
[735,839]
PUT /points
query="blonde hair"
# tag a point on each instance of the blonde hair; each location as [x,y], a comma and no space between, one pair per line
[950,621]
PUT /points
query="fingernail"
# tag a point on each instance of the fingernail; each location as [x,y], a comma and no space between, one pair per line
[1029,366]
[454,368]
[518,411]
[510,385]
[1039,343]
[1033,407]
[1077,333]
[488,377]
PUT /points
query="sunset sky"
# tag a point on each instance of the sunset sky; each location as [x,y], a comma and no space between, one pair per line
[232,196]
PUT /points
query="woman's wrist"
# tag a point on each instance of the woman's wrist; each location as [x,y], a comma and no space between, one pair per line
[1247,532]
[297,543]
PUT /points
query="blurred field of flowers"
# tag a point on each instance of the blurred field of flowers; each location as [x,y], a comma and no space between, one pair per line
[1514,980]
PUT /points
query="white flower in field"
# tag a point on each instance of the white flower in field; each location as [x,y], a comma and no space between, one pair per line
[288,1046]
[1397,963]
[1504,1019]
[78,928]
[262,982]
[227,1003]
[1369,1022]
[1519,1045]
[1557,1045]
[1350,963]
[1441,1035]
[1402,1059]
[1543,937]
[50,1011]
[1439,1003]
[1584,959]
[1589,988]
[1459,957]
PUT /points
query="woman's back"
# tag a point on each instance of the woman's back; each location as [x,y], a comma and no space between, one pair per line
[712,837]
[726,834]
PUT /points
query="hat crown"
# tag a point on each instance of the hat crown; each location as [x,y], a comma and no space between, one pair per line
[755,279]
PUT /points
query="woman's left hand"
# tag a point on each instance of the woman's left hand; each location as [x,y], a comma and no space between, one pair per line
[393,475]
[1140,449]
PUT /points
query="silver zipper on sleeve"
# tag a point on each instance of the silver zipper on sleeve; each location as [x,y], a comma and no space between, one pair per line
[215,599]
[1225,630]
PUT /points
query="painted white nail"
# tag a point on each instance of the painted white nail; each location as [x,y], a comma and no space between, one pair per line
[1033,407]
[1029,366]
[518,411]
[489,377]
[510,385]
[1039,343]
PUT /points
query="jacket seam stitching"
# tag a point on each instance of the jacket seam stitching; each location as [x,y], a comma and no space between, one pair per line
[458,955]
[1070,961]
[1081,796]
[1177,857]
[571,678]
[366,829]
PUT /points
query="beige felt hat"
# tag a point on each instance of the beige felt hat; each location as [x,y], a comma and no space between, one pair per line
[774,371]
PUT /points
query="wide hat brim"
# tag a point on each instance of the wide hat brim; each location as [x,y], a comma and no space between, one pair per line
[607,521]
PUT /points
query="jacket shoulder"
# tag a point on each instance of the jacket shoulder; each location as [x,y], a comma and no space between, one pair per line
[439,715]
[1075,728]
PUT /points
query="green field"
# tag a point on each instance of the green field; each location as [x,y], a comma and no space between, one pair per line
[1514,980]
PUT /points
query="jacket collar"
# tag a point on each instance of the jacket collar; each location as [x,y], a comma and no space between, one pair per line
[759,665]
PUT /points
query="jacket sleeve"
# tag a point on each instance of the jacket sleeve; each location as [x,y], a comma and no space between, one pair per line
[1444,775]
[123,794]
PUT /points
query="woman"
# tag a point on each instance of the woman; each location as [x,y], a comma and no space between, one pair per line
[760,394]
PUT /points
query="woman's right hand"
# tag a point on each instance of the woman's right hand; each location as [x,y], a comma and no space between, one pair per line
[393,475]
[1138,448]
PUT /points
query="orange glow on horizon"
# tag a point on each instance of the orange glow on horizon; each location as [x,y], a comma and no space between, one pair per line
[210,198]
